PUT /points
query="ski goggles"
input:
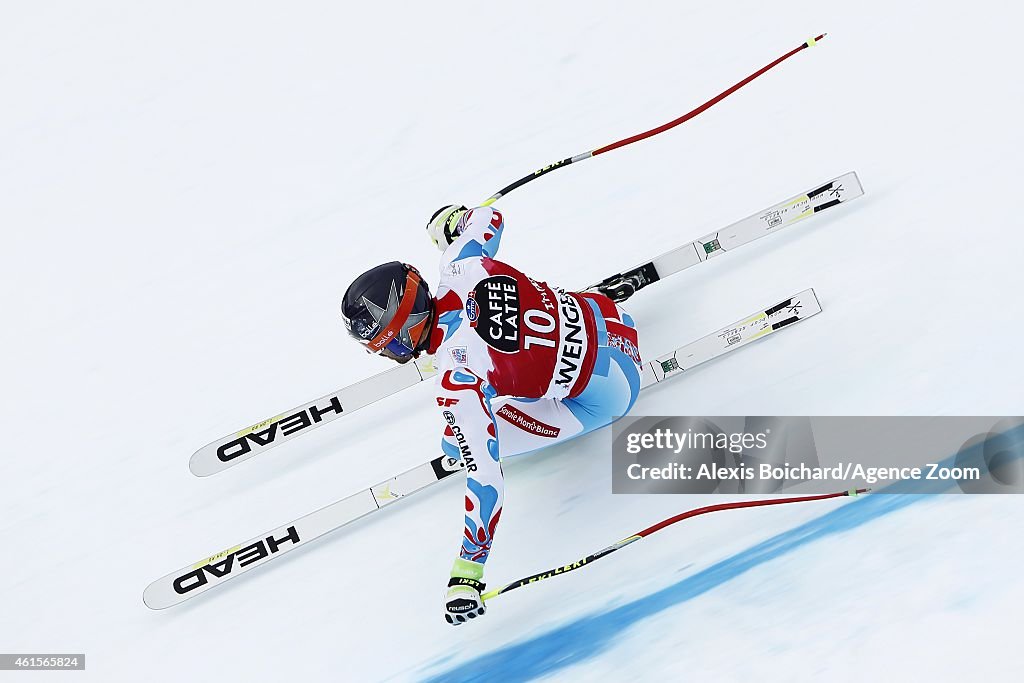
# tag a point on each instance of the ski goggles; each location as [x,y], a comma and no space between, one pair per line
[394,349]
[397,351]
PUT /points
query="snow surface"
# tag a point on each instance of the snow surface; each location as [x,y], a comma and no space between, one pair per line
[186,189]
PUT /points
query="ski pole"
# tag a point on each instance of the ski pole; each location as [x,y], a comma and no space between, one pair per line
[533,578]
[654,131]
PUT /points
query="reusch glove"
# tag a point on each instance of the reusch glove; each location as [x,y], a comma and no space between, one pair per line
[446,225]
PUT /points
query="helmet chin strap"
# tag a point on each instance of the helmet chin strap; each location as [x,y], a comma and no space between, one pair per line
[428,331]
[429,343]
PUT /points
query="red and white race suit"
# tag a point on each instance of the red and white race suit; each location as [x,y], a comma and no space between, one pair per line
[522,365]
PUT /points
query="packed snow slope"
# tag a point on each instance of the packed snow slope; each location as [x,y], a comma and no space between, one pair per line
[187,188]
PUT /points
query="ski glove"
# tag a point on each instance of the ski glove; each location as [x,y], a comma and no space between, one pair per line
[462,602]
[446,225]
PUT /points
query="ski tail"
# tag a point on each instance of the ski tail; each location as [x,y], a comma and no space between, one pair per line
[823,196]
[757,326]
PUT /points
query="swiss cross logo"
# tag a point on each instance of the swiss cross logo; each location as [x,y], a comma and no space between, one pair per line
[446,402]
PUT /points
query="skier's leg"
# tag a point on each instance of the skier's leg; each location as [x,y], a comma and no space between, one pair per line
[615,382]
[526,425]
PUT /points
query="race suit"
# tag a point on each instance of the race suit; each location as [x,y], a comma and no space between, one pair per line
[522,365]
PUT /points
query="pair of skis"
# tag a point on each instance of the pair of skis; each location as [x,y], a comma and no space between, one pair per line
[247,443]
[228,451]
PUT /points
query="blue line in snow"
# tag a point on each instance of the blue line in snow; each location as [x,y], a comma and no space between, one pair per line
[590,636]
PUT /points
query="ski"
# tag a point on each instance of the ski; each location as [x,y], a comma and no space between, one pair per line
[215,569]
[621,286]
[761,324]
[238,447]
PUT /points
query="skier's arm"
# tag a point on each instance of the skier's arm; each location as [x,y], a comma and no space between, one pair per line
[469,434]
[479,235]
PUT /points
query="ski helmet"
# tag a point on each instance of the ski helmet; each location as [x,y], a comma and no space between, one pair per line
[388,309]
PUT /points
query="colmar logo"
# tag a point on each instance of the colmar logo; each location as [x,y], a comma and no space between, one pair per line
[472,308]
[455,431]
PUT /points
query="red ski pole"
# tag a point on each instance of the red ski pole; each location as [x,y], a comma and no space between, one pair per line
[654,131]
[533,578]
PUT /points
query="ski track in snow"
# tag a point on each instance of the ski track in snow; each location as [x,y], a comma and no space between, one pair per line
[592,636]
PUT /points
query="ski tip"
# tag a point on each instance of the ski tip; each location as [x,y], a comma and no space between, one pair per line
[203,463]
[195,466]
[147,600]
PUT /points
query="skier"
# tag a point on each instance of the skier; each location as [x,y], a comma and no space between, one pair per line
[521,365]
